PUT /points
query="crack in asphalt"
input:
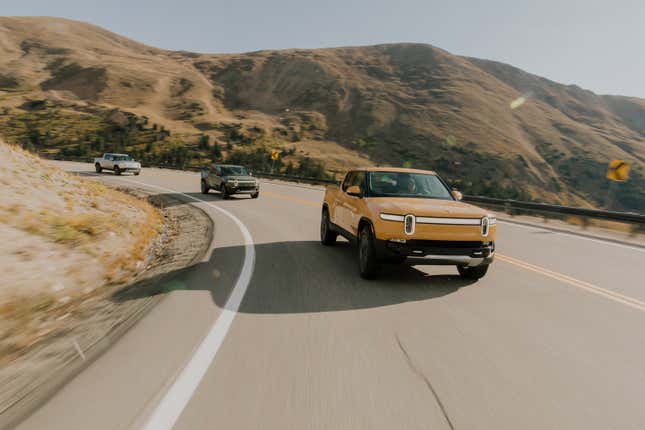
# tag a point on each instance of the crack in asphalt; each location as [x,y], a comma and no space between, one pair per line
[419,373]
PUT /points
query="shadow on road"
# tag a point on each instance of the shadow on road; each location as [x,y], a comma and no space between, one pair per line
[296,277]
[212,196]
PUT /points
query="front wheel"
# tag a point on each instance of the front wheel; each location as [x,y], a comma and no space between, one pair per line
[327,236]
[117,170]
[472,272]
[204,187]
[367,261]
[224,192]
[98,168]
[255,195]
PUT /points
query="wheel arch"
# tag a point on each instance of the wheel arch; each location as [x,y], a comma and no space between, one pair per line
[364,221]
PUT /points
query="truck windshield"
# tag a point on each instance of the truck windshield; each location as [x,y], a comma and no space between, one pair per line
[403,184]
[234,171]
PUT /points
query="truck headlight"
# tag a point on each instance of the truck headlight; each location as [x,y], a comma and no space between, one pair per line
[391,217]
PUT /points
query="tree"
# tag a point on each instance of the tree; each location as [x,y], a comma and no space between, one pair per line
[216,153]
[203,143]
[288,170]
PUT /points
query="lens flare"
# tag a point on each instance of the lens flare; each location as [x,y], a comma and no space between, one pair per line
[518,102]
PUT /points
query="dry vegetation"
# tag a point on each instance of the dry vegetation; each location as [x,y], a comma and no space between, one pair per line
[400,104]
[63,239]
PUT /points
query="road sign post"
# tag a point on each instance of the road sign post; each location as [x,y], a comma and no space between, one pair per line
[617,171]
[274,156]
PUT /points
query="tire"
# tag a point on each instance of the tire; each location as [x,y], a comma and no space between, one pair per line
[327,236]
[255,195]
[224,192]
[367,262]
[98,168]
[137,173]
[117,170]
[472,272]
[204,187]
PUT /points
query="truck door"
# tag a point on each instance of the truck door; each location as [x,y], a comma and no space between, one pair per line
[108,162]
[338,208]
[212,180]
[354,204]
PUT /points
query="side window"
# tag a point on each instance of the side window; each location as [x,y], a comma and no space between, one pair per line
[348,180]
[359,180]
[108,157]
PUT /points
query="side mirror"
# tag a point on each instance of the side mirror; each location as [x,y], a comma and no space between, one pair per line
[355,191]
[250,173]
[457,195]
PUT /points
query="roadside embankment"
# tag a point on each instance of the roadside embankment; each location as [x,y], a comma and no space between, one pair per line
[68,246]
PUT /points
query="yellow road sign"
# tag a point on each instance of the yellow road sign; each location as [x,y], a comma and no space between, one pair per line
[618,170]
[275,154]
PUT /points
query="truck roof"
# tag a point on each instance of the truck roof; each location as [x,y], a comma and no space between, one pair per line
[396,169]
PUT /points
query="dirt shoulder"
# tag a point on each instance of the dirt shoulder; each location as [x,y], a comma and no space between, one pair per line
[92,324]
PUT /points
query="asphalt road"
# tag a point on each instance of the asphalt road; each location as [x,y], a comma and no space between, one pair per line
[274,331]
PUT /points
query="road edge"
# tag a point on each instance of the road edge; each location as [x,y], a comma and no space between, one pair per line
[26,406]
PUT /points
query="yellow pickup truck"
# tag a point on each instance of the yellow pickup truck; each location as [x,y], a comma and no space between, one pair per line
[397,215]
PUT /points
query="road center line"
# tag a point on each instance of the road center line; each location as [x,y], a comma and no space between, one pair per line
[608,294]
[167,412]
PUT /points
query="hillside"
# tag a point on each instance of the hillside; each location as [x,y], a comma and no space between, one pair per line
[64,238]
[73,88]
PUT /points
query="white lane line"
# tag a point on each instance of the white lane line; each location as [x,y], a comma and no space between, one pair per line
[601,241]
[179,394]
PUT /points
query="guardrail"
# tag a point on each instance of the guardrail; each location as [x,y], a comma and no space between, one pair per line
[626,217]
[507,205]
[319,181]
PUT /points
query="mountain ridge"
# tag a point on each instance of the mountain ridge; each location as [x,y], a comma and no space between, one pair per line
[488,127]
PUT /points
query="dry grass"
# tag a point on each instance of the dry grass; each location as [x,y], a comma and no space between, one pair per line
[64,239]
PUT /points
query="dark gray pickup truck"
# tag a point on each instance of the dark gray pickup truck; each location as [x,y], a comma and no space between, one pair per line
[228,180]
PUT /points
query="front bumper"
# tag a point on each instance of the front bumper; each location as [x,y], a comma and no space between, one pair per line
[437,252]
[242,189]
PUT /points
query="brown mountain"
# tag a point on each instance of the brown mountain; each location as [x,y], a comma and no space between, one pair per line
[488,127]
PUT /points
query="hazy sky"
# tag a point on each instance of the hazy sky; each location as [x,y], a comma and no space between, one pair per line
[598,45]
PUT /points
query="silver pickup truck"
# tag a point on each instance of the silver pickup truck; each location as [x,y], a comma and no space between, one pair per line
[118,163]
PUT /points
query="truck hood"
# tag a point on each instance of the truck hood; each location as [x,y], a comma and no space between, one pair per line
[425,207]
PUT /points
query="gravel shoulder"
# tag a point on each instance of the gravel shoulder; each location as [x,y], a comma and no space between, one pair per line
[98,321]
